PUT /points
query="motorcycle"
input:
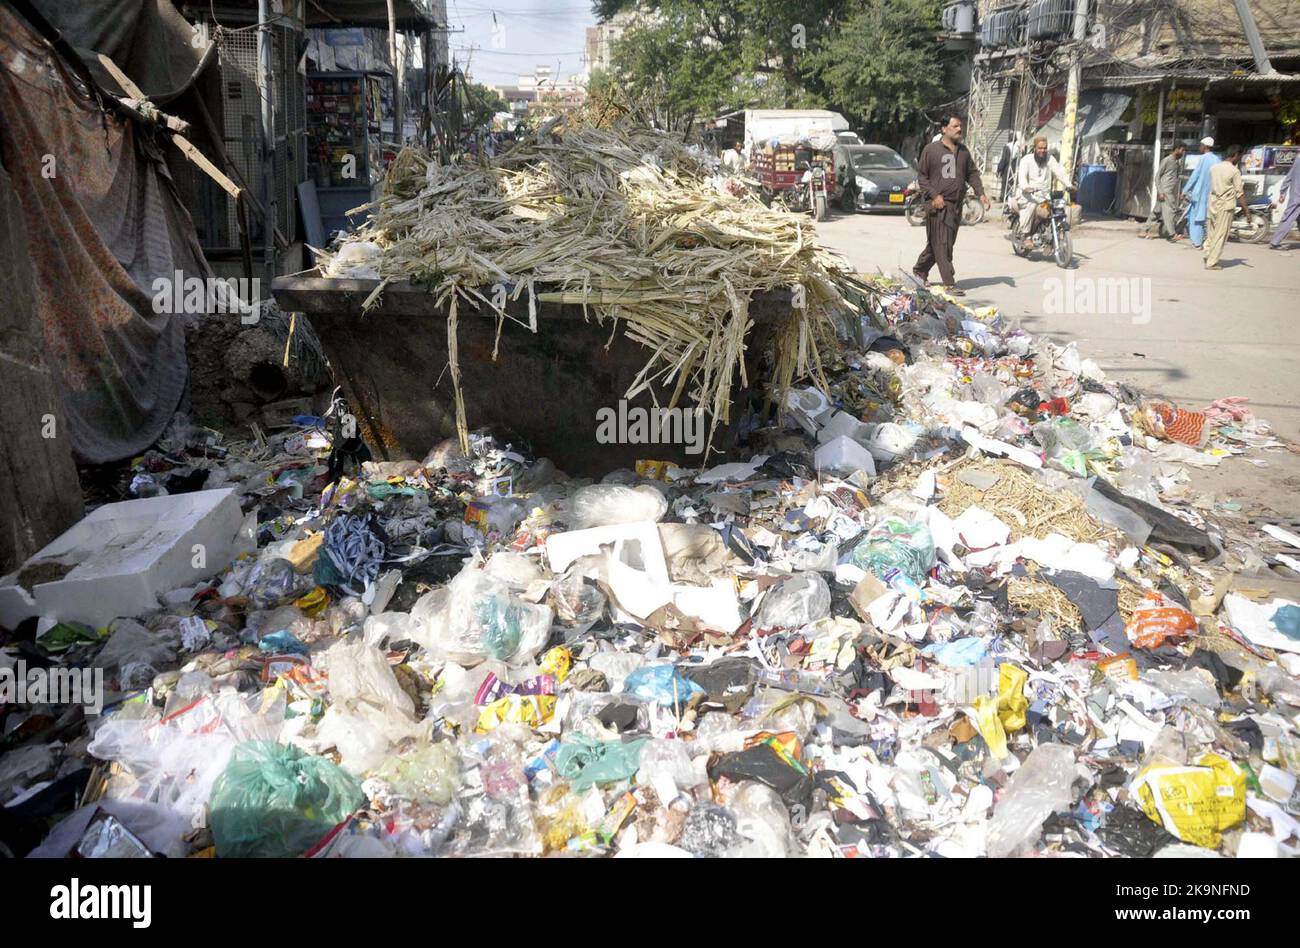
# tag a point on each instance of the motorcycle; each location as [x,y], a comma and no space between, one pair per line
[817,193]
[914,205]
[1252,227]
[1049,229]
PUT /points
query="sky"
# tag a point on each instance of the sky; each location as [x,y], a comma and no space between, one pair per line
[523,35]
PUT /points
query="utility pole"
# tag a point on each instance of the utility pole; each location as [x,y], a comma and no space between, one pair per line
[397,75]
[1072,87]
[1257,50]
[1160,131]
[265,91]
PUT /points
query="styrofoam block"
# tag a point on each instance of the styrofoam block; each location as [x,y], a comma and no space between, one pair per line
[126,555]
[844,456]
[635,544]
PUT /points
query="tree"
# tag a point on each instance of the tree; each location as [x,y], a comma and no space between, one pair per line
[479,104]
[881,66]
[876,61]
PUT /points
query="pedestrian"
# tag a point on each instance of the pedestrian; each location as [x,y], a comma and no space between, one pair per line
[945,169]
[1164,212]
[1197,190]
[1226,194]
[1289,194]
[1008,163]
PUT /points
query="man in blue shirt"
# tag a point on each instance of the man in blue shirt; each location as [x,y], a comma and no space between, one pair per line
[1198,191]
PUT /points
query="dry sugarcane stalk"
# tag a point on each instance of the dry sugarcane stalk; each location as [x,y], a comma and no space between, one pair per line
[626,221]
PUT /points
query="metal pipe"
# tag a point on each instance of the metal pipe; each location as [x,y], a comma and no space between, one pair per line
[1155,164]
[266,92]
[1262,65]
[397,75]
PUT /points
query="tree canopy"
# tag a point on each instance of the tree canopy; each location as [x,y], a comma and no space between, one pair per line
[876,61]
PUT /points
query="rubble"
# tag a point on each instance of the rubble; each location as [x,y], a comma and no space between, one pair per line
[991,620]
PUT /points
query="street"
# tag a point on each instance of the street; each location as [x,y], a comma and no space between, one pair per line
[1189,335]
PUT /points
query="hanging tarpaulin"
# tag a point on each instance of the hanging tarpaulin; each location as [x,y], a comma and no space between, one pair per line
[1098,111]
[103,223]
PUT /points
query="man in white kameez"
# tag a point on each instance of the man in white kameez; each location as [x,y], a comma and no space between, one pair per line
[1037,171]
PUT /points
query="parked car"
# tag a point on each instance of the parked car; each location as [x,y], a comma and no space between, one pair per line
[848,138]
[870,177]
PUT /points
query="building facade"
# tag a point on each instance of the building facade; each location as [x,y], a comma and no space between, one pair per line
[1152,72]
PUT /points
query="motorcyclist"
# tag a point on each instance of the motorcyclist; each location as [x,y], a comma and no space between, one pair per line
[1035,176]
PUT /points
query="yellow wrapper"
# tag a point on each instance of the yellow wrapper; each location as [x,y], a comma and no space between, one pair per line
[557,662]
[1006,712]
[654,470]
[314,603]
[1198,803]
[532,710]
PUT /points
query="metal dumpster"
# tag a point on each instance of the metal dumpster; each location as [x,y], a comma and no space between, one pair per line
[544,388]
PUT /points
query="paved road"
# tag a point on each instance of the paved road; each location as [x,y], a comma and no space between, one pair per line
[1184,333]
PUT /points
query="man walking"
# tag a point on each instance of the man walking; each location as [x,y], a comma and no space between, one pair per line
[1164,211]
[1198,191]
[945,169]
[1226,192]
[1290,195]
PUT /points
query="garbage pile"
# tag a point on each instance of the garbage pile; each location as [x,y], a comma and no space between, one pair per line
[962,602]
[626,221]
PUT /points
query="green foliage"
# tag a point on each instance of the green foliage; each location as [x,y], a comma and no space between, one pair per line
[876,61]
[882,65]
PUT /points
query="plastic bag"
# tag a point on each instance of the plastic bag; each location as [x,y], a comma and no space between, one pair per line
[762,820]
[137,653]
[494,812]
[173,760]
[428,773]
[586,762]
[661,684]
[1006,712]
[578,602]
[360,672]
[386,627]
[1066,443]
[794,602]
[1137,474]
[668,760]
[1198,803]
[896,544]
[515,569]
[274,582]
[1195,684]
[275,801]
[1041,787]
[1157,620]
[479,618]
[602,505]
[710,831]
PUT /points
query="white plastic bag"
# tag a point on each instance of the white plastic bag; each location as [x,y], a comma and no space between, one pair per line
[478,617]
[602,505]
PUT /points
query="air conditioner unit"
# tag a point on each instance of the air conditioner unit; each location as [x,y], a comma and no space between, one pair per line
[959,18]
[1051,19]
[1005,27]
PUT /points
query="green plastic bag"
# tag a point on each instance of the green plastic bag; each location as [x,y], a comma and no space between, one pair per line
[275,801]
[896,544]
[585,761]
